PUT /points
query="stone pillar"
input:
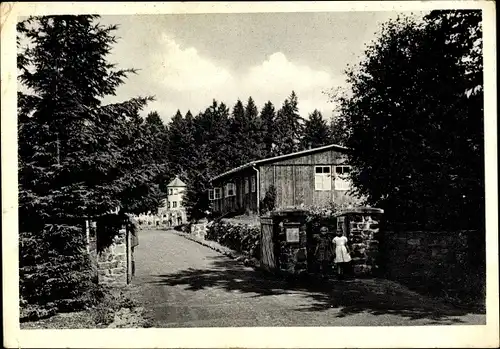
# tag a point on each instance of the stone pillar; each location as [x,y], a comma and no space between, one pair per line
[112,261]
[292,240]
[363,239]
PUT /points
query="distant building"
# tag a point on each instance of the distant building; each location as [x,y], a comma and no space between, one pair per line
[313,177]
[172,211]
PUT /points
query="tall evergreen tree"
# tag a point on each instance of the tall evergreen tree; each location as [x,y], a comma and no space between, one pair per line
[238,135]
[253,131]
[177,143]
[73,152]
[267,117]
[289,127]
[212,132]
[316,132]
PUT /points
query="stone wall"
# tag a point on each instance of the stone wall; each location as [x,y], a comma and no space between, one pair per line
[113,262]
[444,263]
[363,236]
[199,230]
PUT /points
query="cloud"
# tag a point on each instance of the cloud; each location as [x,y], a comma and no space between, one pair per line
[185,70]
[185,79]
[277,72]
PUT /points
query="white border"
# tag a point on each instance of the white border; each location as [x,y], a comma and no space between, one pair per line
[320,337]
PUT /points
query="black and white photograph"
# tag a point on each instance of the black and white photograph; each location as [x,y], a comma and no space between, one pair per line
[274,167]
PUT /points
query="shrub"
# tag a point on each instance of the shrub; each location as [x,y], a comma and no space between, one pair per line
[55,271]
[268,204]
[242,238]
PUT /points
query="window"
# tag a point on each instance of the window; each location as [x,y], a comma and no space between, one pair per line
[342,180]
[322,178]
[253,184]
[246,186]
[176,191]
[168,204]
[230,190]
[170,191]
[217,193]
[211,194]
[174,204]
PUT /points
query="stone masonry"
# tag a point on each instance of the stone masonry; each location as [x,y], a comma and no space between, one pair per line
[112,262]
[436,261]
[363,235]
[292,255]
[199,229]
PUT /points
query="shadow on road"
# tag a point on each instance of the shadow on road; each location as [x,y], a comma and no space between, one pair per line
[376,296]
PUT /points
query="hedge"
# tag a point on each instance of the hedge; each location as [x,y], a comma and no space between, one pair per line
[55,271]
[242,238]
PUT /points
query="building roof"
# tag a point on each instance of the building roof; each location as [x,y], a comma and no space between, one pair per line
[176,182]
[280,157]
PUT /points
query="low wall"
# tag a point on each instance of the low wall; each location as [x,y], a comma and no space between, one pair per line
[113,262]
[199,230]
[445,263]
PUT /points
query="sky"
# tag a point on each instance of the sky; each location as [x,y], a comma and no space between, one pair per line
[187,60]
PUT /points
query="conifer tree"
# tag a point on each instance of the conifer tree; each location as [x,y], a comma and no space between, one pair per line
[74,152]
[316,132]
[268,116]
[288,127]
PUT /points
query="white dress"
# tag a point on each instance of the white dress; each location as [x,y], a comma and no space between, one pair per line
[341,254]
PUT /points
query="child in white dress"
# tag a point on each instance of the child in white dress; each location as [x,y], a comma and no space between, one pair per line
[342,256]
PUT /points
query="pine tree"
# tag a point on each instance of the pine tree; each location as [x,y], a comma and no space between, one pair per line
[177,143]
[288,127]
[212,132]
[253,131]
[316,132]
[73,152]
[268,116]
[237,135]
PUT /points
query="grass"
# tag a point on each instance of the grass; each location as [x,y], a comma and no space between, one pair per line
[99,316]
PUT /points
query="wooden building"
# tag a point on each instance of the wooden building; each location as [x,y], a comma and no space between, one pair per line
[309,178]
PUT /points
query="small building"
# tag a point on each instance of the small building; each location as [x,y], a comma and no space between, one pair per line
[173,212]
[308,178]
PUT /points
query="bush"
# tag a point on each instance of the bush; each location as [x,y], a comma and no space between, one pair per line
[268,204]
[55,271]
[242,238]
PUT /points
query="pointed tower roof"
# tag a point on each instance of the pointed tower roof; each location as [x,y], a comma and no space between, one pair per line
[176,182]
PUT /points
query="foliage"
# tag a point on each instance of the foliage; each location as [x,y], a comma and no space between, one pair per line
[414,120]
[288,126]
[55,273]
[268,204]
[316,132]
[242,238]
[268,116]
[77,157]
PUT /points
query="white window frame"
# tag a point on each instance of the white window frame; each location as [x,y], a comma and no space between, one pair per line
[211,194]
[217,193]
[170,191]
[176,191]
[247,186]
[230,187]
[323,180]
[342,182]
[174,204]
[168,204]
[253,184]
